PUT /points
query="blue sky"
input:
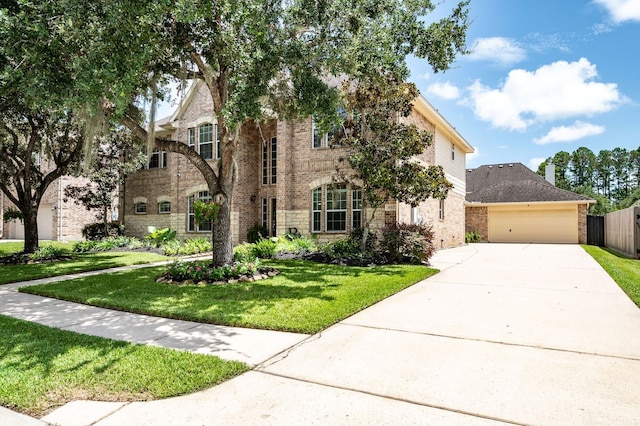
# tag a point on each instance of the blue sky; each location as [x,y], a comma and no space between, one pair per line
[544,76]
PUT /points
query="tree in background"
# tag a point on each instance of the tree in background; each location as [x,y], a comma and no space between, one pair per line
[611,177]
[381,148]
[259,60]
[118,155]
[36,148]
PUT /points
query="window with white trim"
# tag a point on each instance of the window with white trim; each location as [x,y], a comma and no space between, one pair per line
[218,151]
[158,160]
[316,210]
[324,140]
[270,161]
[336,208]
[191,138]
[164,207]
[265,163]
[265,213]
[274,160]
[356,208]
[192,226]
[441,210]
[205,141]
[140,208]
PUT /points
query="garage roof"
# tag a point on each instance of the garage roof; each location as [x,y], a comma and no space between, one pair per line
[513,183]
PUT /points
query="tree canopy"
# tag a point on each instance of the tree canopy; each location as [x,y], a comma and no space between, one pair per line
[258,59]
[612,177]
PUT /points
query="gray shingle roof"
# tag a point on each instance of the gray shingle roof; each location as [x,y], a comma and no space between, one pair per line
[513,183]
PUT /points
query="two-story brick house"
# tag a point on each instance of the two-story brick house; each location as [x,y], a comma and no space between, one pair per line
[286,179]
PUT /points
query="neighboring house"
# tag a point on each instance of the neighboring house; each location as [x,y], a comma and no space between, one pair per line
[511,203]
[57,220]
[286,179]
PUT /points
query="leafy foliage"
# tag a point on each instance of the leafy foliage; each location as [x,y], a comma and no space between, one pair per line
[95,231]
[188,247]
[49,253]
[12,214]
[106,244]
[256,232]
[198,271]
[408,243]
[612,177]
[472,237]
[160,236]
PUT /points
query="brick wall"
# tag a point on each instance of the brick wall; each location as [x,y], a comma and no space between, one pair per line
[477,220]
[582,223]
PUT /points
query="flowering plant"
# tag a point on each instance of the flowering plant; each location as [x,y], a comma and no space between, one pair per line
[206,210]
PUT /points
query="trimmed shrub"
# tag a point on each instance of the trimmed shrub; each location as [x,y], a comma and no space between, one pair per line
[49,253]
[95,231]
[256,232]
[265,248]
[407,243]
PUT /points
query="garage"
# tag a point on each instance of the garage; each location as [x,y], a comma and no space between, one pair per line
[533,224]
[509,203]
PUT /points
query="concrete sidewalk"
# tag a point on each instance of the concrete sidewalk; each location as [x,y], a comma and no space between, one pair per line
[505,334]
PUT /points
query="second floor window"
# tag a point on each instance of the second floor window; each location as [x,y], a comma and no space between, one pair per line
[158,160]
[202,140]
[270,162]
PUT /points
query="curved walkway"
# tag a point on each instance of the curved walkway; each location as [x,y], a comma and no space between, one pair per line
[505,334]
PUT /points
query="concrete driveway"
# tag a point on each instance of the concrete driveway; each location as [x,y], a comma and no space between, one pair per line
[505,334]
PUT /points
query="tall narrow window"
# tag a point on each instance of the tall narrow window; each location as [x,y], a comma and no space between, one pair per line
[356,209]
[191,138]
[274,223]
[192,226]
[337,208]
[218,152]
[453,152]
[205,141]
[317,136]
[441,210]
[265,163]
[316,209]
[274,160]
[265,213]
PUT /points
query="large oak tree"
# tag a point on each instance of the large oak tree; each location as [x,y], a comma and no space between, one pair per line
[259,60]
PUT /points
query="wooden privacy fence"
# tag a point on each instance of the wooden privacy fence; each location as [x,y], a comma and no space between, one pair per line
[622,231]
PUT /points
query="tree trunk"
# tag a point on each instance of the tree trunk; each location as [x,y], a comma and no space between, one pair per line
[222,246]
[31,242]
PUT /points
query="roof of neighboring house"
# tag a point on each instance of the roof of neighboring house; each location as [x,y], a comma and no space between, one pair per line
[513,183]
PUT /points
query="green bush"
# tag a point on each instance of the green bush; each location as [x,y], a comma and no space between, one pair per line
[95,231]
[256,232]
[472,237]
[107,244]
[49,252]
[244,252]
[265,248]
[203,271]
[407,243]
[160,236]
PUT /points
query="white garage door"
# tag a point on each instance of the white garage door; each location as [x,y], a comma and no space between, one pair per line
[533,225]
[45,224]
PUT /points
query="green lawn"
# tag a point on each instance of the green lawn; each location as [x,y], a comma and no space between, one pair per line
[17,246]
[624,271]
[42,368]
[81,263]
[307,297]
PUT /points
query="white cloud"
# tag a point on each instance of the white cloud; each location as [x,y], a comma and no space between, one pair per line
[535,162]
[622,10]
[555,91]
[497,49]
[444,90]
[578,130]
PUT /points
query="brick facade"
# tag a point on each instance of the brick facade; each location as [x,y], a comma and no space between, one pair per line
[582,223]
[478,221]
[287,194]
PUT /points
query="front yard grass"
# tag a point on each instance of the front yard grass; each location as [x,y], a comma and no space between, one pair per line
[624,271]
[83,262]
[10,247]
[306,297]
[42,368]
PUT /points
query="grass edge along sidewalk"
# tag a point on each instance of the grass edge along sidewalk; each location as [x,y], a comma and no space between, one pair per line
[305,298]
[84,262]
[623,270]
[42,368]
